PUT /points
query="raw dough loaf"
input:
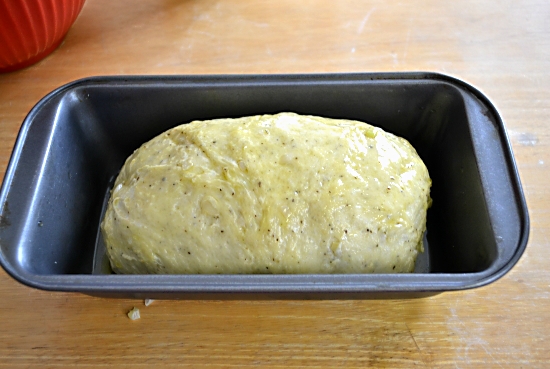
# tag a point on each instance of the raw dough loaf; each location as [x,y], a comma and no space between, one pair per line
[278,193]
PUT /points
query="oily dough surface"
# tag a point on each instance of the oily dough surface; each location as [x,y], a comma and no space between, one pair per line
[281,193]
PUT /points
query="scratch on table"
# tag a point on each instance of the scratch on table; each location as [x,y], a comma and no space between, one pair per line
[364,21]
[523,138]
[416,344]
[407,44]
[466,337]
[203,17]
[395,59]
[208,34]
[259,25]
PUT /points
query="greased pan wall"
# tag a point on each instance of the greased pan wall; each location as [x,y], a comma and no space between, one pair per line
[75,140]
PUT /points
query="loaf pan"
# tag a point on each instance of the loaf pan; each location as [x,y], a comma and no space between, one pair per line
[75,140]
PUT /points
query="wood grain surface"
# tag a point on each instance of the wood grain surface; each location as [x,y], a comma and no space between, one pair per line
[501,47]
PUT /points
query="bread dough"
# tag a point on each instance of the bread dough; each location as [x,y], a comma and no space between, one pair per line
[281,193]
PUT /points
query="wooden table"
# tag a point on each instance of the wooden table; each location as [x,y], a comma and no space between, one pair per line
[503,48]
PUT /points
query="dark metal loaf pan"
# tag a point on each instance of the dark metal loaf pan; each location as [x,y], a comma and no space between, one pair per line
[75,140]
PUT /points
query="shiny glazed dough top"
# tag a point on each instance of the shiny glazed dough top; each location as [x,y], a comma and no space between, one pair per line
[278,193]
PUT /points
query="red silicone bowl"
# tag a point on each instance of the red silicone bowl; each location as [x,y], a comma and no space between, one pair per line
[31,30]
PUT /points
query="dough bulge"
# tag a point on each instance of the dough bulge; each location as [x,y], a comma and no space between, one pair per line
[281,193]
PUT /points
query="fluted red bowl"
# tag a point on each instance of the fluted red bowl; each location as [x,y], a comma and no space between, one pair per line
[31,29]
